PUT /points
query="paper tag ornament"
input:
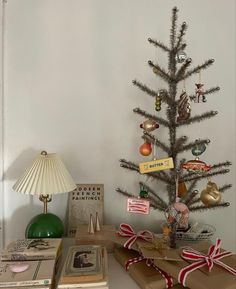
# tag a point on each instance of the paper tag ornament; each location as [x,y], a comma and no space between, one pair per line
[156,165]
[138,206]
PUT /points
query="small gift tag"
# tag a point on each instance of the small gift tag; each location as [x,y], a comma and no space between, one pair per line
[139,206]
[156,165]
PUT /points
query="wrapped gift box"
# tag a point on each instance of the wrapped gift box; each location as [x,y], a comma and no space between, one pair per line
[146,277]
[201,278]
[102,237]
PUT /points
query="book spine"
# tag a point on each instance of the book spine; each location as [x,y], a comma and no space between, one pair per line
[26,258]
[44,282]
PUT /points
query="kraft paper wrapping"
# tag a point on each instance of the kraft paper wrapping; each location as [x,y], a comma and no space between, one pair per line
[218,278]
[166,254]
[114,237]
[146,277]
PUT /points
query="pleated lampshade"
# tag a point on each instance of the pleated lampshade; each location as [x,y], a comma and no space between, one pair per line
[47,175]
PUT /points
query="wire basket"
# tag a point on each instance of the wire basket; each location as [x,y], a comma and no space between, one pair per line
[206,233]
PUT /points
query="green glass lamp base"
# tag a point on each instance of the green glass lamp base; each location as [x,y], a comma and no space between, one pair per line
[44,226]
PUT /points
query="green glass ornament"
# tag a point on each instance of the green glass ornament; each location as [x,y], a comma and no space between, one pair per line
[198,149]
[143,193]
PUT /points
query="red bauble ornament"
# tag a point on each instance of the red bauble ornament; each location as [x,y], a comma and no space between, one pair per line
[145,149]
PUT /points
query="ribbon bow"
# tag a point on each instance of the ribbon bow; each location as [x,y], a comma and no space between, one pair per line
[213,256]
[127,231]
[150,263]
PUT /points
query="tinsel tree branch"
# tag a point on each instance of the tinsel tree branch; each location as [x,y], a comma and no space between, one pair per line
[152,139]
[206,92]
[204,208]
[158,200]
[225,188]
[180,142]
[133,167]
[158,44]
[212,90]
[198,118]
[181,34]
[197,199]
[159,71]
[153,203]
[181,47]
[220,165]
[163,94]
[173,27]
[197,69]
[192,186]
[190,145]
[123,192]
[194,200]
[190,197]
[183,68]
[205,175]
[143,113]
[179,168]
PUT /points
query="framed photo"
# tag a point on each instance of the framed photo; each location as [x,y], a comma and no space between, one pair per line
[84,260]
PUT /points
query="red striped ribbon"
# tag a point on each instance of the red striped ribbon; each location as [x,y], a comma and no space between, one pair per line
[213,256]
[127,231]
[149,263]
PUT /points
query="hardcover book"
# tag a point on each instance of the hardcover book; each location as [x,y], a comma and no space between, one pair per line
[86,199]
[32,249]
[85,266]
[38,273]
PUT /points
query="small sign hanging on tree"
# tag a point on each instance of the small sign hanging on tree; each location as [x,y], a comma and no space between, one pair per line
[138,206]
[156,165]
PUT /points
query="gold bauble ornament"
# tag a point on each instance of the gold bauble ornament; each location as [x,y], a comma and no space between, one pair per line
[210,195]
[149,125]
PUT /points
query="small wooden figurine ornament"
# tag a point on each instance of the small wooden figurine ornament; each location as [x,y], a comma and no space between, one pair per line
[199,91]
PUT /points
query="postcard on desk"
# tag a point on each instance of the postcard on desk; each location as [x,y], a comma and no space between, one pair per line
[32,249]
[38,273]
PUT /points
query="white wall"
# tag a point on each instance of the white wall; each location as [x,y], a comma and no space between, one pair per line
[68,72]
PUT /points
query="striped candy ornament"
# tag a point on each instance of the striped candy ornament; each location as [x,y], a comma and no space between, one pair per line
[213,256]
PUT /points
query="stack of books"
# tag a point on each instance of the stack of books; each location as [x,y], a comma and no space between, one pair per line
[29,264]
[85,267]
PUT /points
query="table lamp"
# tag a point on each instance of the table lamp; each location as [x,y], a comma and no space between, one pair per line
[47,176]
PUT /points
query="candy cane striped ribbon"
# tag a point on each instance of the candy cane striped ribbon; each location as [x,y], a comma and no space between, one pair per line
[127,231]
[213,256]
[149,263]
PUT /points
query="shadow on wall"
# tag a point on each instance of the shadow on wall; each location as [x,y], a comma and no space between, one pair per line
[16,225]
[20,164]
